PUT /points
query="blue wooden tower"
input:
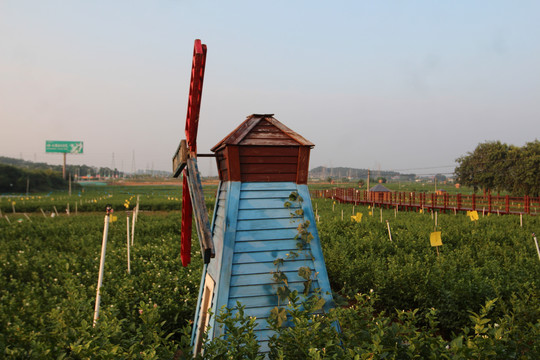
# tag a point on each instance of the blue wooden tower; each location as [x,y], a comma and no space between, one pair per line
[261,163]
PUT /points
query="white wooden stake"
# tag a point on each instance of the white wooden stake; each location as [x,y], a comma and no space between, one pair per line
[128,256]
[395,212]
[536,243]
[341,214]
[133,226]
[381,213]
[7,219]
[483,211]
[520,220]
[67,209]
[435,220]
[101,267]
[13,206]
[56,211]
[43,212]
[389,233]
[27,217]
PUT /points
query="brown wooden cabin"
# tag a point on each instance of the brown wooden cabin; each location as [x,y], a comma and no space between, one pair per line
[262,149]
[380,193]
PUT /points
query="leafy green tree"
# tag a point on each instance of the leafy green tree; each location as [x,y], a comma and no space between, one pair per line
[525,169]
[484,167]
[497,166]
[440,178]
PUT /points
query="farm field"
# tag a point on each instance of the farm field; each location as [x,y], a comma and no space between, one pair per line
[477,297]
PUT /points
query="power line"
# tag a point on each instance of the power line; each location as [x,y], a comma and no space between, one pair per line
[427,168]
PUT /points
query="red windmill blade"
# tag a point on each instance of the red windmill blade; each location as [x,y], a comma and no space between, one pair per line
[186,154]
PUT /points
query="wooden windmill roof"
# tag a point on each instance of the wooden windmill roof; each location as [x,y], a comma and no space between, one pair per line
[262,130]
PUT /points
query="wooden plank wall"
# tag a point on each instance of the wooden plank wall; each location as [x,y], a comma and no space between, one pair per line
[268,163]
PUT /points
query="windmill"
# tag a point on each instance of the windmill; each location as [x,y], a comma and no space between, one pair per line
[262,164]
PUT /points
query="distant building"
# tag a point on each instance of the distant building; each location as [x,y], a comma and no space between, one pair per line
[380,193]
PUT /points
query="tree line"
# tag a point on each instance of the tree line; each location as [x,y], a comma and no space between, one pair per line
[80,170]
[17,180]
[496,166]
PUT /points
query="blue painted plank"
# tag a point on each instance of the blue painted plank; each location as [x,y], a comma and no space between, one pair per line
[246,292]
[269,300]
[258,268]
[260,279]
[254,214]
[316,248]
[261,235]
[258,312]
[267,224]
[264,204]
[269,186]
[262,256]
[223,276]
[264,348]
[265,194]
[268,245]
[252,290]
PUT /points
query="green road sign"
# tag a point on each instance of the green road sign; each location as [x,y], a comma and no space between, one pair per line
[68,147]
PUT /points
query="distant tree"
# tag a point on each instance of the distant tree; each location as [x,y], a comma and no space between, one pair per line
[440,178]
[14,180]
[329,179]
[524,164]
[361,183]
[381,179]
[497,166]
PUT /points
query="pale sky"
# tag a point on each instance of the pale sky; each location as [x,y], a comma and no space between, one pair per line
[400,85]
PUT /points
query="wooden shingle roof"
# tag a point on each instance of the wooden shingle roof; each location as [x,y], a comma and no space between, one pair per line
[380,188]
[263,130]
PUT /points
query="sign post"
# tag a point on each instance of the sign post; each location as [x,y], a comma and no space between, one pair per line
[64,147]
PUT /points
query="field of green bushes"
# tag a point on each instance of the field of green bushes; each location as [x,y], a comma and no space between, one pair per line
[477,297]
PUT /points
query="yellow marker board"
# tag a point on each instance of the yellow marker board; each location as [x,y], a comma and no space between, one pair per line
[357,217]
[435,238]
[112,218]
[473,215]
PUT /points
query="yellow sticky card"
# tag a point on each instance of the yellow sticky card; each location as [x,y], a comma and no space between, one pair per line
[435,238]
[112,218]
[357,217]
[421,211]
[473,215]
